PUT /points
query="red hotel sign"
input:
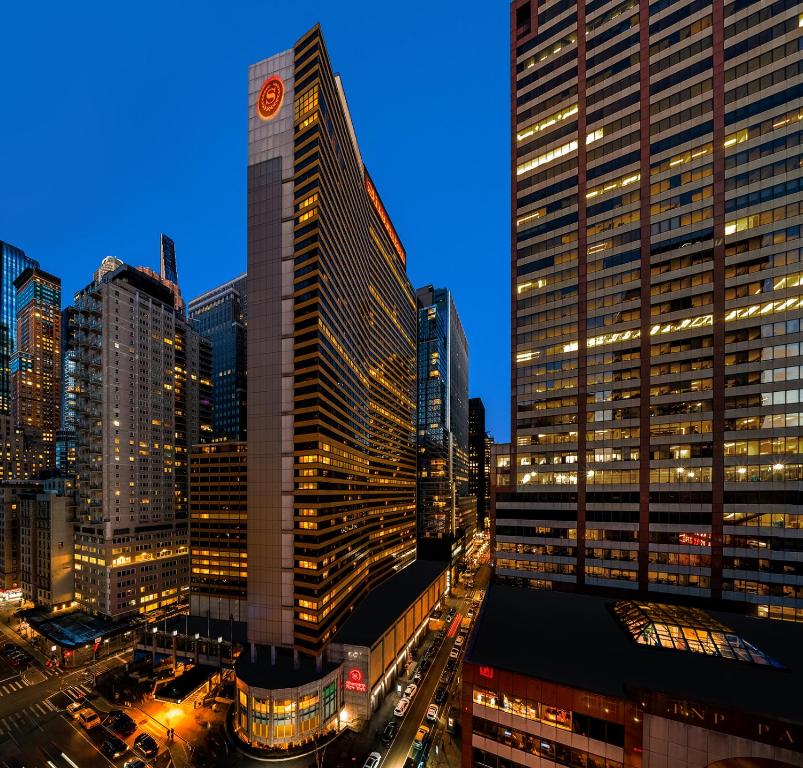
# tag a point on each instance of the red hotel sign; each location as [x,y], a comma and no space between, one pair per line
[270,98]
[487,672]
[355,682]
[373,195]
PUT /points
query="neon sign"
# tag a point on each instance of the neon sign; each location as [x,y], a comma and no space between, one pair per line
[270,98]
[487,672]
[695,539]
[355,682]
[373,196]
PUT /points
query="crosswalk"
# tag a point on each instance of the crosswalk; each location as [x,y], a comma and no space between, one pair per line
[11,686]
[24,720]
[77,692]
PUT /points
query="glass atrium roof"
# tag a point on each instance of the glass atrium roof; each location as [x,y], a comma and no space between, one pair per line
[686,629]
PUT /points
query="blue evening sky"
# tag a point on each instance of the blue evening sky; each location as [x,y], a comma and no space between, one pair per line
[124,120]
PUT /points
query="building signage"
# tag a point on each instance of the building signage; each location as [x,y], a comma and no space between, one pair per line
[373,196]
[487,672]
[695,539]
[270,97]
[354,682]
[736,723]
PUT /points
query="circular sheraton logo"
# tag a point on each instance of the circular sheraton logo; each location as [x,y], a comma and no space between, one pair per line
[270,97]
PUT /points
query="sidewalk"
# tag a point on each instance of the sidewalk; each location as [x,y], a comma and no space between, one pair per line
[448,750]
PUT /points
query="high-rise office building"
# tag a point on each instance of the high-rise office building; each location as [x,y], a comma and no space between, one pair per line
[220,316]
[479,450]
[141,381]
[331,393]
[443,503]
[13,262]
[656,301]
[218,531]
[36,364]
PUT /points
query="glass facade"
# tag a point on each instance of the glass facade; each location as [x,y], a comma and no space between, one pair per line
[657,300]
[221,316]
[13,262]
[444,508]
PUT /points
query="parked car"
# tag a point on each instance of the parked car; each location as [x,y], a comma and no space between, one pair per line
[439,635]
[410,690]
[114,747]
[445,676]
[146,745]
[440,695]
[135,763]
[425,665]
[418,676]
[74,707]
[372,761]
[432,712]
[453,654]
[459,640]
[401,707]
[421,736]
[390,731]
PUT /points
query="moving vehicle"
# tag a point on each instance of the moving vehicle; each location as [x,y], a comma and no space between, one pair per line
[88,718]
[372,761]
[410,690]
[121,723]
[421,736]
[114,747]
[401,707]
[440,695]
[390,731]
[146,745]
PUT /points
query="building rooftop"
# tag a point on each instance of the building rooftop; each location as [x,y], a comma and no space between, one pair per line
[376,614]
[283,672]
[578,641]
[74,629]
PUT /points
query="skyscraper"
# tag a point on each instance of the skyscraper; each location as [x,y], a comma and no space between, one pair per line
[36,364]
[220,316]
[331,392]
[478,454]
[443,506]
[13,262]
[141,382]
[656,301]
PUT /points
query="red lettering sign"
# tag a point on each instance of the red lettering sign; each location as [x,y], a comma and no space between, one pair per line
[487,672]
[355,682]
[373,196]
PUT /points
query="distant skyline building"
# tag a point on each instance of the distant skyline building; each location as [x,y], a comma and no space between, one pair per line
[168,268]
[13,262]
[331,402]
[36,364]
[478,459]
[221,316]
[65,437]
[443,503]
[142,377]
[657,301]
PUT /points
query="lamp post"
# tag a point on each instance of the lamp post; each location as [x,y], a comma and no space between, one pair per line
[153,658]
[197,646]
[220,656]
[175,657]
